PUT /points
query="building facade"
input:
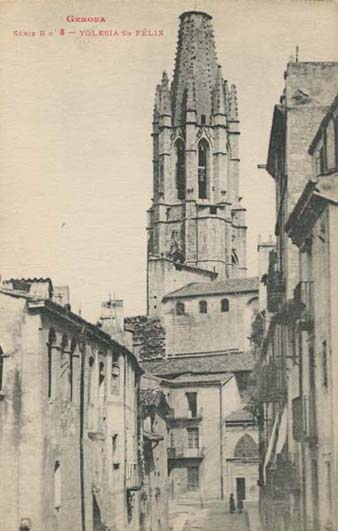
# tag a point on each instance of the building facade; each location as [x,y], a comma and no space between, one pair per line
[196,224]
[196,335]
[289,349]
[69,446]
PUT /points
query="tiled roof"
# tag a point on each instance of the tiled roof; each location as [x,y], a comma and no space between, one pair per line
[231,285]
[224,362]
[190,377]
[240,415]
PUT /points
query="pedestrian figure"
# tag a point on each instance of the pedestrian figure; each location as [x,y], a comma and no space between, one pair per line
[232,506]
[240,505]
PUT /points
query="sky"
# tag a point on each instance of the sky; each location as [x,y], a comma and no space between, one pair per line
[75,125]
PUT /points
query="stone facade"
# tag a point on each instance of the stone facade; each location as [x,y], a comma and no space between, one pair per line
[297,463]
[154,493]
[69,423]
[196,218]
[198,295]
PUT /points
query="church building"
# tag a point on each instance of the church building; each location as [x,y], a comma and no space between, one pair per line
[196,336]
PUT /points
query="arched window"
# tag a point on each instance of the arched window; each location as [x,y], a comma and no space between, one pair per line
[224,305]
[180,308]
[203,169]
[51,341]
[203,306]
[246,447]
[180,169]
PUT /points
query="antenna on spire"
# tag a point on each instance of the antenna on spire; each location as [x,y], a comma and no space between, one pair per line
[297,53]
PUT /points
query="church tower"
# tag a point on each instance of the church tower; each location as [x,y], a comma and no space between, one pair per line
[196,224]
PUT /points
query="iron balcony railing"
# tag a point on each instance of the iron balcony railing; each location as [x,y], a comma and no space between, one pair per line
[184,452]
[275,290]
[303,295]
[175,415]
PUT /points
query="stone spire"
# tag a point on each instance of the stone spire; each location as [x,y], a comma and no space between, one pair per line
[233,105]
[226,96]
[165,103]
[157,103]
[191,104]
[218,106]
[196,58]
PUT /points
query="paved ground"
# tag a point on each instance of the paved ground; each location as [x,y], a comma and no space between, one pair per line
[212,516]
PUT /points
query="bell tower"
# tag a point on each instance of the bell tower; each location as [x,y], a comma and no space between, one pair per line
[196,224]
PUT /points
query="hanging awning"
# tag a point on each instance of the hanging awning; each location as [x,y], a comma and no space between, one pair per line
[282,432]
[270,447]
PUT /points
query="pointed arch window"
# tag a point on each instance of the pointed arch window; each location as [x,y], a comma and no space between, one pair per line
[203,169]
[180,169]
[246,447]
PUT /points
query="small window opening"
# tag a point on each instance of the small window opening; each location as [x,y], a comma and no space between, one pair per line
[203,306]
[324,362]
[203,155]
[51,341]
[224,305]
[203,119]
[91,390]
[213,210]
[180,310]
[57,485]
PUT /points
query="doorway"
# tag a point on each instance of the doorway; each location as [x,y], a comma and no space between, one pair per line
[193,478]
[240,489]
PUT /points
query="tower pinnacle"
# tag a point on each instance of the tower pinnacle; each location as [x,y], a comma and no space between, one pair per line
[196,59]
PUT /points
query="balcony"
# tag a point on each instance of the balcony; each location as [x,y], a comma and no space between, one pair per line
[275,286]
[132,477]
[304,420]
[184,418]
[303,296]
[272,383]
[184,452]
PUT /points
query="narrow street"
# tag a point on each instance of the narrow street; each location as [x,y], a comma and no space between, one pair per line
[210,516]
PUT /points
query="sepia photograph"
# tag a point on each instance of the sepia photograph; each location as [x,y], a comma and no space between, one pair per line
[169,265]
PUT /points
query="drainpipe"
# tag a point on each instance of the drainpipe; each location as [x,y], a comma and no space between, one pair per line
[82,348]
[221,439]
[125,436]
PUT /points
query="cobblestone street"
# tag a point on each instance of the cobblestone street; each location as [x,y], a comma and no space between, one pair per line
[211,516]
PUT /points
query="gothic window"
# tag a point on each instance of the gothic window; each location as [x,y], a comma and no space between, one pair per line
[225,305]
[203,306]
[246,447]
[203,169]
[51,341]
[180,169]
[180,310]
